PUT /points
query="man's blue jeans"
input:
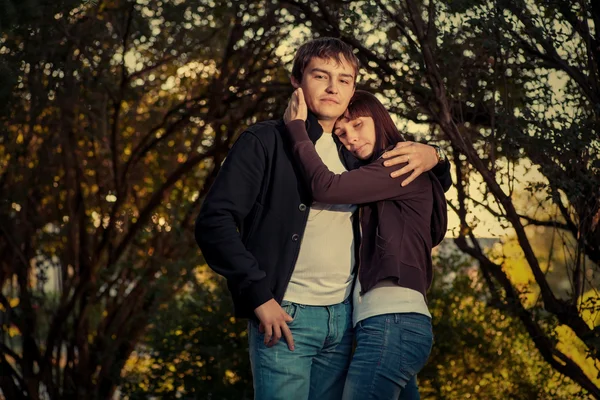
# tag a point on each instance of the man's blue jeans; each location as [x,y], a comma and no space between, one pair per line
[390,350]
[317,368]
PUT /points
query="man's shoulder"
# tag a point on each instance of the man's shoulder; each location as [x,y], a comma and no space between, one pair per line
[266,130]
[264,135]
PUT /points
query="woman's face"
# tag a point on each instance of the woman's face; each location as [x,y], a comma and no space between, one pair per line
[357,135]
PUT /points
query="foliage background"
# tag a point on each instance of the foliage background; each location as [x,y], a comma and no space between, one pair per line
[118,113]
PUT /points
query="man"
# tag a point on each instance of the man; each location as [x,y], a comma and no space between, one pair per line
[288,261]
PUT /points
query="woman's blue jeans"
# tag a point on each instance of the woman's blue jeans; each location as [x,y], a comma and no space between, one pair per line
[390,350]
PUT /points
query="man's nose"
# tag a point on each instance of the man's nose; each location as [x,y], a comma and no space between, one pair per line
[332,87]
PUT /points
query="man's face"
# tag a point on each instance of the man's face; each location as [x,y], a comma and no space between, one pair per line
[328,88]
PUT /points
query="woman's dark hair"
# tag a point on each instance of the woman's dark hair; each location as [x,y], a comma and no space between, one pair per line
[365,104]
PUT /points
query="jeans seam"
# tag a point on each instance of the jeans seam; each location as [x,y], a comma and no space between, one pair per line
[383,346]
[414,323]
[255,355]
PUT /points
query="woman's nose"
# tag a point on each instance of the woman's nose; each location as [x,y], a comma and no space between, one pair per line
[352,136]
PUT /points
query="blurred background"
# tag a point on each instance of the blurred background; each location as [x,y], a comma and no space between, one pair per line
[115,116]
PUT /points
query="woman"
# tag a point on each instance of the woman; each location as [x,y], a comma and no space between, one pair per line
[399,227]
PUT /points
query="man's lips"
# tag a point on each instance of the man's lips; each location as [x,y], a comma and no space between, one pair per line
[330,100]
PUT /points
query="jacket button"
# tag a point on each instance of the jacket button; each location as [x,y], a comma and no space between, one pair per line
[295,237]
[302,207]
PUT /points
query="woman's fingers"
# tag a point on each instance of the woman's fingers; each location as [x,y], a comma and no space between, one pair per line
[302,109]
[296,108]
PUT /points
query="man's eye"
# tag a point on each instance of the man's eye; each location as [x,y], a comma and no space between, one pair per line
[345,82]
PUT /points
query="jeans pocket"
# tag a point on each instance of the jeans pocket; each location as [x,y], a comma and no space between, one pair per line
[417,329]
[372,326]
[416,343]
[291,309]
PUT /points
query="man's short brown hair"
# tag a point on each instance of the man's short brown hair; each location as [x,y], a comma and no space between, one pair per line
[326,47]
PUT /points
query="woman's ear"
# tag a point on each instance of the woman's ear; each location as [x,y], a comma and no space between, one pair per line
[295,83]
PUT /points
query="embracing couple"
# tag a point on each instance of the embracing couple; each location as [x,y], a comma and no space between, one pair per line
[323,249]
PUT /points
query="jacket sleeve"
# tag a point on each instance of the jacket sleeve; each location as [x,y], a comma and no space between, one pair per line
[228,202]
[366,184]
[442,173]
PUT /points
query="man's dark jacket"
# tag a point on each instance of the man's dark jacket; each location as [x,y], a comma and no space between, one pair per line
[252,220]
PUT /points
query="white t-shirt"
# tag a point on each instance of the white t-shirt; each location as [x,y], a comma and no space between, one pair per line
[323,272]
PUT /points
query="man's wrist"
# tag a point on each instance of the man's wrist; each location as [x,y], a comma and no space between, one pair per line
[440,154]
[257,293]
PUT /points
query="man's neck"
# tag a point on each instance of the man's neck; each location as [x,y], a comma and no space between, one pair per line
[327,126]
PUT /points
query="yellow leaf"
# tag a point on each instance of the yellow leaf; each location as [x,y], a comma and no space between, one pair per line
[13,331]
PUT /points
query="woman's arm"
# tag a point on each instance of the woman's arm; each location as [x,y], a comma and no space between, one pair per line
[423,157]
[363,185]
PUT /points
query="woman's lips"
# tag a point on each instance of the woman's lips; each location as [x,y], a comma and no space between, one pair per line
[358,149]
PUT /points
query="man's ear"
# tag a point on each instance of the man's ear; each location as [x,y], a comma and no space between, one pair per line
[295,83]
